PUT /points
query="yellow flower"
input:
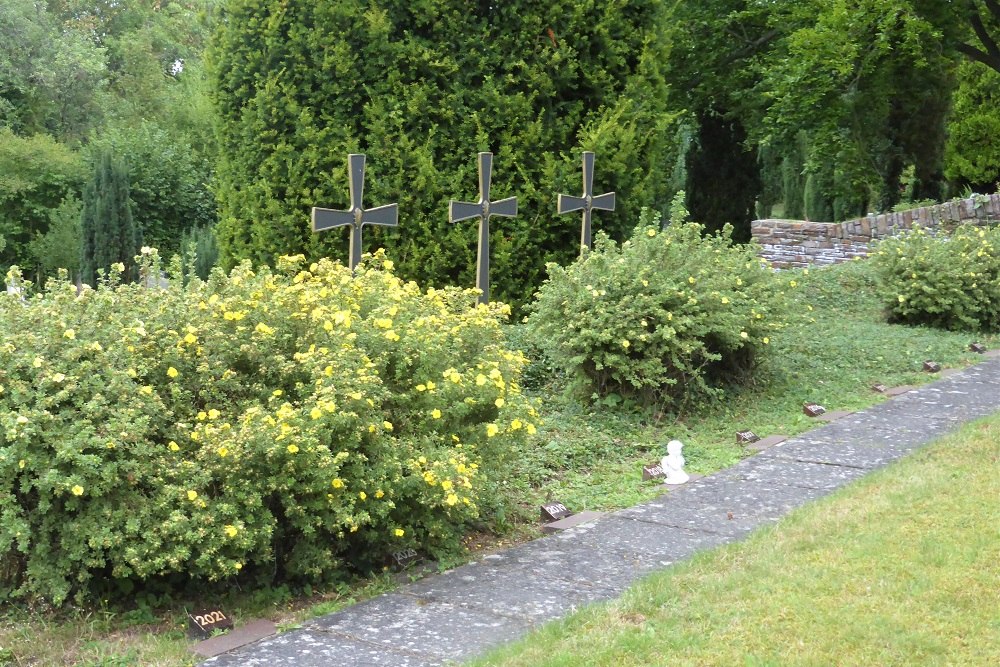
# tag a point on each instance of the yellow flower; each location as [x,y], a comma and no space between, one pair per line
[387,425]
[213,414]
[691,279]
[446,485]
[362,495]
[190,339]
[58,377]
[192,495]
[792,283]
[223,452]
[20,464]
[902,299]
[379,493]
[146,389]
[744,335]
[37,363]
[480,380]
[337,483]
[315,413]
[292,449]
[625,343]
[77,490]
[491,430]
[435,413]
[452,499]
[725,299]
[69,333]
[172,372]
[238,566]
[499,402]
[21,419]
[387,265]
[531,429]
[650,233]
[173,446]
[430,386]
[765,340]
[399,532]
[262,328]
[516,424]
[230,530]
[421,387]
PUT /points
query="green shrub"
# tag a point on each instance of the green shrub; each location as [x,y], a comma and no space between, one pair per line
[949,282]
[665,319]
[269,426]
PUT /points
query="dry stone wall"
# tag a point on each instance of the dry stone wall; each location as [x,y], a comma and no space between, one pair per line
[794,243]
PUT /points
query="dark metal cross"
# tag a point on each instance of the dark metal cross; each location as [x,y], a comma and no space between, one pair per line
[588,202]
[356,216]
[483,209]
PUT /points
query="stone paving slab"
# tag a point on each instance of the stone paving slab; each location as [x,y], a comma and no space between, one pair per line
[417,627]
[820,476]
[307,648]
[459,614]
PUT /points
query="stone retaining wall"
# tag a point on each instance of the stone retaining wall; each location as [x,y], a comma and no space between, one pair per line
[793,243]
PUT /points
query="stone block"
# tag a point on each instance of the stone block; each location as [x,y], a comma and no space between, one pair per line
[572,520]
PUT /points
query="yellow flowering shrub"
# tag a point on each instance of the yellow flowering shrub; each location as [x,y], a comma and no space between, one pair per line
[259,423]
[949,282]
[664,319]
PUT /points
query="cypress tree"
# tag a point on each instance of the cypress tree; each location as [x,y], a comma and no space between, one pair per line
[420,87]
[109,232]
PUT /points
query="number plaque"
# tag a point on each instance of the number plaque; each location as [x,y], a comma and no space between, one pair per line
[746,437]
[554,511]
[932,366]
[654,471]
[813,409]
[204,623]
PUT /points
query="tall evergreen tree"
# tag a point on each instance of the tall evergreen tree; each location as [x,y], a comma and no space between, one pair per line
[420,87]
[110,234]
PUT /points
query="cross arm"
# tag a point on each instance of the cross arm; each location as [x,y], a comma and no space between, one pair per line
[325,218]
[387,215]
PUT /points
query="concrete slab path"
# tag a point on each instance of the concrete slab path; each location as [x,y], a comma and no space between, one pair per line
[457,615]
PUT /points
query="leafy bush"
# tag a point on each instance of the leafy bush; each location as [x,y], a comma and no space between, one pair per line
[664,319]
[420,87]
[949,282]
[265,425]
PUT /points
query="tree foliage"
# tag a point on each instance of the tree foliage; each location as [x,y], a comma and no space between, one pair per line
[110,235]
[36,174]
[420,87]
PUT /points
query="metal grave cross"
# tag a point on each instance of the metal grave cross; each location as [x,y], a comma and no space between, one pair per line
[588,202]
[356,216]
[483,209]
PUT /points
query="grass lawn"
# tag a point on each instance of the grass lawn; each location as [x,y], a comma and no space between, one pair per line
[835,347]
[901,568]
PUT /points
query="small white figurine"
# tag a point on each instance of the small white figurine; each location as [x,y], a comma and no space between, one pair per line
[673,464]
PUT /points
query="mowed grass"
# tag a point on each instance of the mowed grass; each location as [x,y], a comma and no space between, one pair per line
[589,457]
[901,568]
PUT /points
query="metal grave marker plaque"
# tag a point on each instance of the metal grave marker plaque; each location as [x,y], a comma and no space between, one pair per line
[357,216]
[206,621]
[654,471]
[483,209]
[813,409]
[932,366]
[746,437]
[586,202]
[554,511]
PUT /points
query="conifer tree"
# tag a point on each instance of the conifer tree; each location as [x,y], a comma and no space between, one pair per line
[109,232]
[421,87]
